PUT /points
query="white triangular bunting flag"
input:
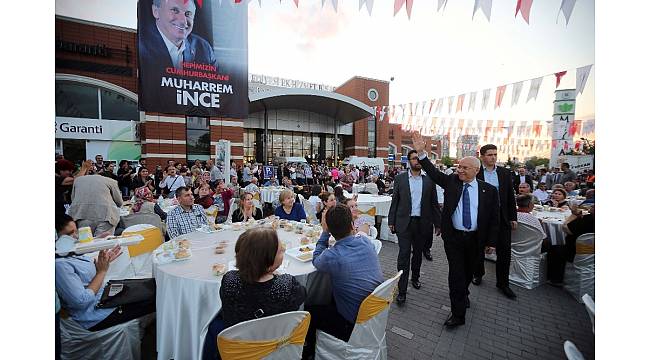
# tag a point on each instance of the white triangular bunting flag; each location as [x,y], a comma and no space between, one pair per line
[382,113]
[472,101]
[439,106]
[334,4]
[516,91]
[486,97]
[450,102]
[486,7]
[582,74]
[442,4]
[368,4]
[534,88]
[566,8]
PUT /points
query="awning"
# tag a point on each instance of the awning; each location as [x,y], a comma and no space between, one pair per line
[340,107]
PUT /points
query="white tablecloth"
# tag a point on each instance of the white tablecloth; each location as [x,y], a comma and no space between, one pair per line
[552,224]
[187,294]
[270,194]
[381,202]
[356,188]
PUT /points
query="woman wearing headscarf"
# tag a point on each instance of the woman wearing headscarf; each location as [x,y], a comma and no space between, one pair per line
[145,203]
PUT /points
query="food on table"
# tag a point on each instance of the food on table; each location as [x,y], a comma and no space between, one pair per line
[184,244]
[220,250]
[217,226]
[218,269]
[305,256]
[305,249]
[304,241]
[182,254]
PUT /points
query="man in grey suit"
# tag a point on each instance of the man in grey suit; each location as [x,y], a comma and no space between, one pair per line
[96,201]
[414,212]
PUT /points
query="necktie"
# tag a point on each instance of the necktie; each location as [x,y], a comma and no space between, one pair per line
[467,215]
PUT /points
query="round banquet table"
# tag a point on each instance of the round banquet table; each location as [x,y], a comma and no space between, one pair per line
[187,293]
[552,224]
[381,202]
[269,194]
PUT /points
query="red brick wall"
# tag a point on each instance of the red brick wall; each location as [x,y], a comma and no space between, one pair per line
[96,35]
[357,88]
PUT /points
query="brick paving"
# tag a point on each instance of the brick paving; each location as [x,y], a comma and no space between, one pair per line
[534,326]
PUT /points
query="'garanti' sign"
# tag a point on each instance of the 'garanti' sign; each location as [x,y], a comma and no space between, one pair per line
[93,129]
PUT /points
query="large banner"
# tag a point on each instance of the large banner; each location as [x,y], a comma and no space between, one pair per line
[193,57]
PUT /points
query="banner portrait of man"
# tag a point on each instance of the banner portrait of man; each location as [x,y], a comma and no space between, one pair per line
[193,58]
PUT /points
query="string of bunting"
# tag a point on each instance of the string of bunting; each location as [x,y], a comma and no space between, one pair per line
[403,113]
[522,7]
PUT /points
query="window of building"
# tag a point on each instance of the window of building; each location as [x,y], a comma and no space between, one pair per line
[249,145]
[116,106]
[76,100]
[391,134]
[372,138]
[198,138]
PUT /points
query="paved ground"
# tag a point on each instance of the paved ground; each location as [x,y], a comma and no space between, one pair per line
[534,326]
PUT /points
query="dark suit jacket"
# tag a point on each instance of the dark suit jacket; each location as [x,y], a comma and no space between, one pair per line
[507,204]
[154,59]
[488,205]
[400,206]
[517,180]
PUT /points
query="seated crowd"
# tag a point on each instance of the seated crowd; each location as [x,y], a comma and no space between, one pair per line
[252,291]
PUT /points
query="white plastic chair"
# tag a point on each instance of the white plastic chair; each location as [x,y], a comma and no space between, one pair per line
[591,310]
[288,329]
[121,341]
[580,276]
[528,264]
[377,244]
[572,352]
[368,339]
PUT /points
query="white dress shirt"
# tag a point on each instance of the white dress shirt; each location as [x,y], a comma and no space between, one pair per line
[415,183]
[542,195]
[522,179]
[491,177]
[457,216]
[175,52]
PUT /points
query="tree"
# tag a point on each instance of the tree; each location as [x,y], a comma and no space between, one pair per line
[534,162]
[446,160]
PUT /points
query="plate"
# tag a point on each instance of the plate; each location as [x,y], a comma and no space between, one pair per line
[302,253]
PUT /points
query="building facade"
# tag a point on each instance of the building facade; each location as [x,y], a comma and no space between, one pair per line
[97,112]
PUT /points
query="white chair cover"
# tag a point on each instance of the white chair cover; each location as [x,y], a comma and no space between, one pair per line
[385,233]
[309,209]
[136,219]
[117,342]
[572,352]
[234,204]
[528,264]
[372,188]
[142,265]
[269,328]
[591,310]
[120,268]
[580,276]
[377,244]
[368,339]
[364,209]
[373,233]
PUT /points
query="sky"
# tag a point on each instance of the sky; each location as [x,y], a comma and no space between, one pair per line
[432,55]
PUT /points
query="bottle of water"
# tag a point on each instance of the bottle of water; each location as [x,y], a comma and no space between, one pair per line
[161,201]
